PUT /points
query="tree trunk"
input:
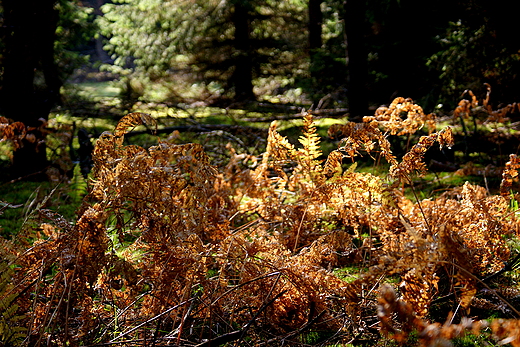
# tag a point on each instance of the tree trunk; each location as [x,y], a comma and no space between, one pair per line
[242,78]
[315,34]
[355,12]
[30,81]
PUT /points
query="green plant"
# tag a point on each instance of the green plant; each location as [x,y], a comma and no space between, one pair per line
[12,331]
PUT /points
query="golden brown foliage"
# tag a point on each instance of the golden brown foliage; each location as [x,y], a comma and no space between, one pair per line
[510,174]
[412,161]
[17,132]
[170,249]
[391,118]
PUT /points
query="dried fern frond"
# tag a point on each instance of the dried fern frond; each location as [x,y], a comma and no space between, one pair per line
[132,120]
[168,247]
[391,118]
[507,331]
[509,175]
[278,147]
[358,136]
[501,115]
[467,108]
[412,161]
[311,151]
[430,334]
[464,235]
[485,223]
[18,132]
[332,166]
[14,132]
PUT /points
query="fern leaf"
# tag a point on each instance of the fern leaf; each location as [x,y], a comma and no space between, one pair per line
[413,160]
[509,175]
[10,332]
[311,151]
[358,136]
[14,132]
[132,120]
[332,166]
[310,139]
[278,147]
[389,118]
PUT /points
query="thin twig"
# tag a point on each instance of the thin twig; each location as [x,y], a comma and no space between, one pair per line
[243,284]
[152,319]
[121,312]
[485,285]
[293,333]
[239,334]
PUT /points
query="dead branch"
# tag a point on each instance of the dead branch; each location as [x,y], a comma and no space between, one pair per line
[239,334]
[324,113]
[233,129]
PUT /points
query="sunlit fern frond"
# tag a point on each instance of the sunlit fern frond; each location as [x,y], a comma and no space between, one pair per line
[356,137]
[278,147]
[132,120]
[332,166]
[413,160]
[391,118]
[510,174]
[310,139]
[311,151]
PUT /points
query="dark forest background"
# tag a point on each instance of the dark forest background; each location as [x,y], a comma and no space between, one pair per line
[348,55]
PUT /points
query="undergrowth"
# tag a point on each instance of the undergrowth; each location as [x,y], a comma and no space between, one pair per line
[168,249]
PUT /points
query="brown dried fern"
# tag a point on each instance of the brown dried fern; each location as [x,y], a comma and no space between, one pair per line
[509,175]
[390,118]
[182,252]
[412,161]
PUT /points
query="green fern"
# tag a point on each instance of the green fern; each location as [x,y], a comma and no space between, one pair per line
[11,334]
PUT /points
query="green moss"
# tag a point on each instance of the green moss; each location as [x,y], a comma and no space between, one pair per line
[350,273]
[471,340]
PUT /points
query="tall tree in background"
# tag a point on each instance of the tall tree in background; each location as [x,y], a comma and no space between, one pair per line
[400,37]
[355,24]
[29,29]
[36,57]
[315,34]
[226,44]
[242,78]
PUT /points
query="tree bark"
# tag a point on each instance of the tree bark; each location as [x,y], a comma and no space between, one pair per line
[315,33]
[30,81]
[355,11]
[242,78]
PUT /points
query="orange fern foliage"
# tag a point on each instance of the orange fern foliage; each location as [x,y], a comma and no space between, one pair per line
[507,331]
[14,132]
[390,118]
[17,132]
[467,108]
[361,136]
[169,249]
[510,174]
[412,161]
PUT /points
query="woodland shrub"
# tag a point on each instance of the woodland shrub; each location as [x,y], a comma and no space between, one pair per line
[168,249]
